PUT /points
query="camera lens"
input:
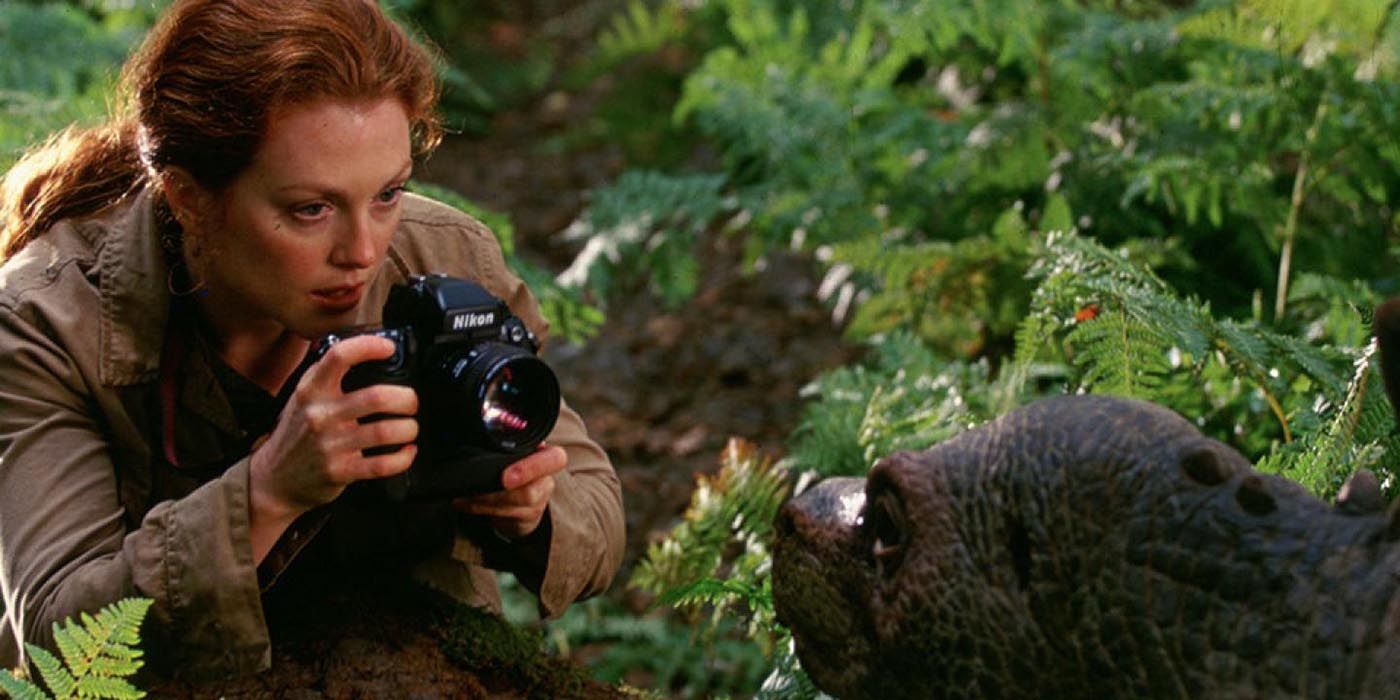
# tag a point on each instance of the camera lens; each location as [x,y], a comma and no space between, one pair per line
[514,395]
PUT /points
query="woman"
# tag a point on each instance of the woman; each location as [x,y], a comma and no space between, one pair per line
[163,279]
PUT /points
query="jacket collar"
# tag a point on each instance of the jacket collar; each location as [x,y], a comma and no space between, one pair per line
[134,292]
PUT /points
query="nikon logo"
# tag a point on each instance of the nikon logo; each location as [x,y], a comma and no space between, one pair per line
[469,320]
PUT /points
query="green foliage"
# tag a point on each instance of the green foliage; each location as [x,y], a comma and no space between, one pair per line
[488,60]
[47,84]
[1126,332]
[1357,432]
[1016,198]
[645,221]
[959,297]
[718,557]
[916,122]
[674,658]
[641,29]
[1310,27]
[903,396]
[98,656]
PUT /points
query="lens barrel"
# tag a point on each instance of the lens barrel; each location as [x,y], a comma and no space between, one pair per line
[507,397]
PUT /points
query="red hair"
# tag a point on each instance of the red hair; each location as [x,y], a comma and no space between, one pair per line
[198,95]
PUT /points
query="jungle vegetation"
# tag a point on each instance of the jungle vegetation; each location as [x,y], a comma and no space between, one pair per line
[1186,202]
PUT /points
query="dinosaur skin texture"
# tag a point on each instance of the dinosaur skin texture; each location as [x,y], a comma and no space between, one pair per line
[1092,547]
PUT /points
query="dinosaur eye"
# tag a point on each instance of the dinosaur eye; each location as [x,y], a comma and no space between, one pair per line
[885,523]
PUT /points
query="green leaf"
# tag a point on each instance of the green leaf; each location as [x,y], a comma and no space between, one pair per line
[59,681]
[20,689]
[1057,216]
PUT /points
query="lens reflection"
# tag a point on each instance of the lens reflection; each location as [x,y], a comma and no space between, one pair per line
[500,406]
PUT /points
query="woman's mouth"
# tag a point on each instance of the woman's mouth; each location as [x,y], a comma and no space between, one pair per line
[339,299]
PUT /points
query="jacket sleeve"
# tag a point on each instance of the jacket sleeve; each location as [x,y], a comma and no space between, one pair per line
[587,532]
[66,548]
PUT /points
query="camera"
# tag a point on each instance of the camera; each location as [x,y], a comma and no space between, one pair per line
[484,398]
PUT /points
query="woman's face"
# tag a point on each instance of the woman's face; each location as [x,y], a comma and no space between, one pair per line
[294,240]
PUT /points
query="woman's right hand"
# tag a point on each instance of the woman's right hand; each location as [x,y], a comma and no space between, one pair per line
[316,450]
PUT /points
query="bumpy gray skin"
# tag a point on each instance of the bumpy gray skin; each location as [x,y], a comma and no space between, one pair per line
[1088,547]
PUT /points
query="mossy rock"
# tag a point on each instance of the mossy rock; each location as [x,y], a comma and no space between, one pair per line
[401,641]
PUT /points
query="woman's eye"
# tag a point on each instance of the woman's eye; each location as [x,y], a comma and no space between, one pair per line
[310,211]
[390,195]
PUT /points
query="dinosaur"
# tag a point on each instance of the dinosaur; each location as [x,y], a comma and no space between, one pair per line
[1093,547]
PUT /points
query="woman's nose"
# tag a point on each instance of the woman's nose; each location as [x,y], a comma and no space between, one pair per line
[357,246]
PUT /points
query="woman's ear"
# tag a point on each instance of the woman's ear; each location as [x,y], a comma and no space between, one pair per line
[189,202]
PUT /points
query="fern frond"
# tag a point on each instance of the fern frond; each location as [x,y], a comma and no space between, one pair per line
[59,681]
[644,226]
[641,28]
[716,592]
[1360,433]
[737,504]
[1292,26]
[904,396]
[98,651]
[788,681]
[1130,333]
[1120,355]
[19,688]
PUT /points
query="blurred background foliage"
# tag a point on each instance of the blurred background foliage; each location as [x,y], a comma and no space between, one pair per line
[1187,202]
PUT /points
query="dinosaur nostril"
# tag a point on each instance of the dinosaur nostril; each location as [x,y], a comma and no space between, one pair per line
[1253,495]
[1204,466]
[784,525]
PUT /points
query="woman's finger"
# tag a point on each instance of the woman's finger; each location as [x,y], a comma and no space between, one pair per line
[361,467]
[381,432]
[329,371]
[533,495]
[546,461]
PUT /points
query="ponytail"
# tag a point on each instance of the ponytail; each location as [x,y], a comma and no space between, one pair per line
[76,173]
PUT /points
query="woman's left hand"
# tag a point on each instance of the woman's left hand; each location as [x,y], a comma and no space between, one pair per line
[529,483]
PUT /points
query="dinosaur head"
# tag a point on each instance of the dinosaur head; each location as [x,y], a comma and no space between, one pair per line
[971,569]
[1090,546]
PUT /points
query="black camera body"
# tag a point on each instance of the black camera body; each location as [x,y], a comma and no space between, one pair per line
[484,398]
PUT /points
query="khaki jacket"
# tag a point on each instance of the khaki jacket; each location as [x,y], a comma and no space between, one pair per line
[91,512]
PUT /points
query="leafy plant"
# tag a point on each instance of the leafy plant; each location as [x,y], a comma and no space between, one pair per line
[649,221]
[1188,204]
[98,656]
[911,122]
[718,557]
[46,84]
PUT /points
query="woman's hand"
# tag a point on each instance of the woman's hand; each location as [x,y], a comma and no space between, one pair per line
[316,450]
[529,483]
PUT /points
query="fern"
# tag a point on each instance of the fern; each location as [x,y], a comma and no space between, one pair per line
[740,501]
[1128,332]
[645,221]
[640,29]
[1360,434]
[918,123]
[1119,354]
[97,656]
[1312,27]
[696,567]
